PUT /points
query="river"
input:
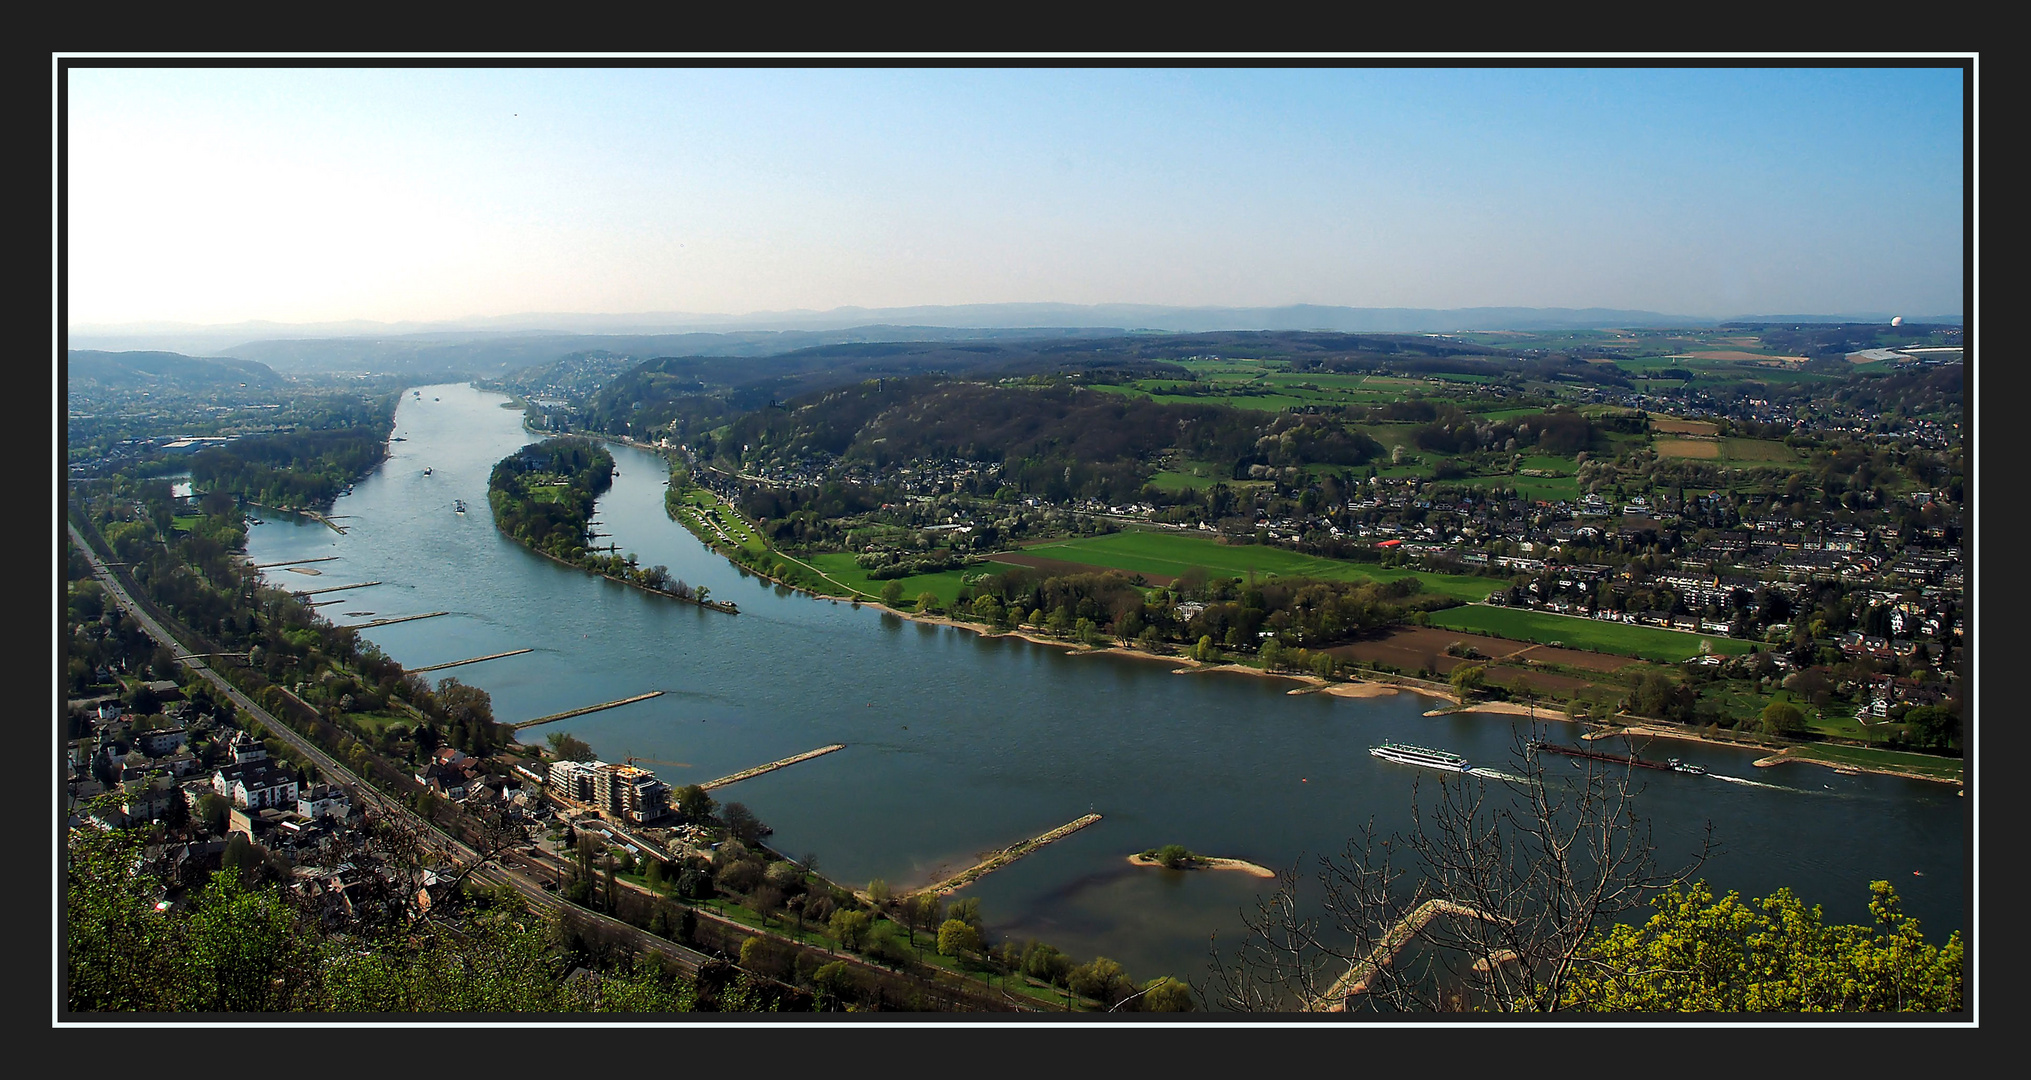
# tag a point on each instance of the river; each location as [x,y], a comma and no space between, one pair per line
[959,744]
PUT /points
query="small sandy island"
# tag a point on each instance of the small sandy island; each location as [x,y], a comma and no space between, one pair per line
[1360,689]
[1510,707]
[1203,862]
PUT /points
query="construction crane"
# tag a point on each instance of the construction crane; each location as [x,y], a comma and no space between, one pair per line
[633,760]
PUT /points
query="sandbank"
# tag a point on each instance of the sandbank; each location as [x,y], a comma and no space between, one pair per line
[1509,707]
[1208,863]
[1362,689]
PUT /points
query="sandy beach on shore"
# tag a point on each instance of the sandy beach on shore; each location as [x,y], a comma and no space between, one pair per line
[1184,665]
[1359,688]
[1509,707]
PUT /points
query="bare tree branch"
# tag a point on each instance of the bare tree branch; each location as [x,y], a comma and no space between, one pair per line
[1486,902]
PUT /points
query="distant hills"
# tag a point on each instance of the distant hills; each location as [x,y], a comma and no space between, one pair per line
[1151,317]
[141,370]
[767,333]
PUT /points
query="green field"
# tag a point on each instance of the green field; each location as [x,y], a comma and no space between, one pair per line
[1186,481]
[716,522]
[1270,385]
[1171,554]
[1868,757]
[1547,488]
[702,510]
[1616,639]
[1766,450]
[839,566]
[378,722]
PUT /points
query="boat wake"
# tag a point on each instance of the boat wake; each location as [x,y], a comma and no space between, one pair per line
[1752,783]
[1498,774]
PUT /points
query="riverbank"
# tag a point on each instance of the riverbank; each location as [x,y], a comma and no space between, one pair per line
[1207,862]
[1506,707]
[727,606]
[1181,665]
[1780,756]
[1359,688]
[1638,728]
[1309,683]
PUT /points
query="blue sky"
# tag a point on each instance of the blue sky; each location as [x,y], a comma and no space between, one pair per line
[308,194]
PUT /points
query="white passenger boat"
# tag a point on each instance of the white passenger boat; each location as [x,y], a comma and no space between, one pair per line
[1406,754]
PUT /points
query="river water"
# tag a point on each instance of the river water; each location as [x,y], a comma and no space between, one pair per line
[958,744]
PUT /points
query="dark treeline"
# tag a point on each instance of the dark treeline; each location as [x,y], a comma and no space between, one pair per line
[1050,425]
[691,395]
[301,469]
[1053,440]
[1559,431]
[1907,393]
[695,394]
[1222,612]
[809,515]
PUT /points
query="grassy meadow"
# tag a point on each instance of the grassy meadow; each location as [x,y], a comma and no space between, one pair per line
[1576,632]
[1171,554]
[840,568]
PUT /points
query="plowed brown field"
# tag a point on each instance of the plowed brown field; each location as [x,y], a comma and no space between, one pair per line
[1412,648]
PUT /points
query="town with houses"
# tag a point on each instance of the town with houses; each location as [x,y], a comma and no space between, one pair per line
[1718,563]
[123,771]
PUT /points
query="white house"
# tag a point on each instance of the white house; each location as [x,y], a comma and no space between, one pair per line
[256,785]
[324,800]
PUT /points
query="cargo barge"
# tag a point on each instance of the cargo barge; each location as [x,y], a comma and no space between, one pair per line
[1596,755]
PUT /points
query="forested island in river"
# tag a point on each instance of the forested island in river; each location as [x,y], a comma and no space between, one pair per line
[544,496]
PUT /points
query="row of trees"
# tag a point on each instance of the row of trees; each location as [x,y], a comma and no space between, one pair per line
[302,469]
[1052,438]
[1296,613]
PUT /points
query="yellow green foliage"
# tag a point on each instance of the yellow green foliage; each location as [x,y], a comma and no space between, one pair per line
[956,938]
[1699,954]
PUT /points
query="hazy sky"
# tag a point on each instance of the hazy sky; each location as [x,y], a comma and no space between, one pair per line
[303,194]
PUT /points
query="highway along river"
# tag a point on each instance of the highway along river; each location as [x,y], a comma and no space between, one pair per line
[957,745]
